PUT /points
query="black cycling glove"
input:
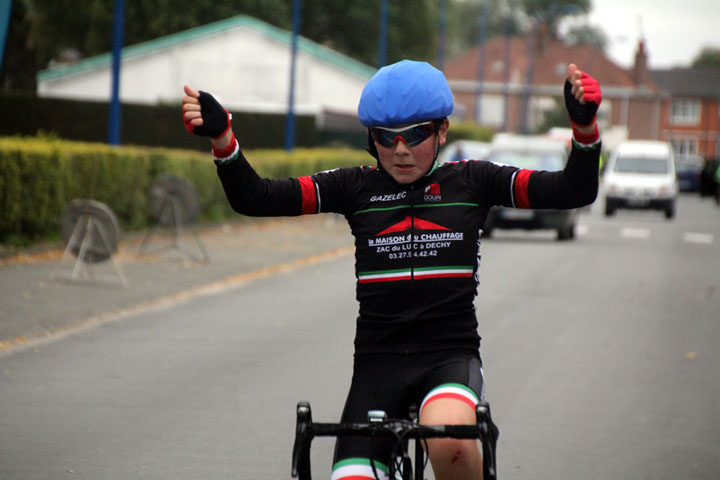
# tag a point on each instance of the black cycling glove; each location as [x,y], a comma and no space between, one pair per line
[583,114]
[216,120]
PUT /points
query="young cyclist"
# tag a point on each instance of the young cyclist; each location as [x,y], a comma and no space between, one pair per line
[417,228]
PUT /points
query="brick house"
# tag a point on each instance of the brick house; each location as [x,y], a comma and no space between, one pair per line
[523,78]
[691,117]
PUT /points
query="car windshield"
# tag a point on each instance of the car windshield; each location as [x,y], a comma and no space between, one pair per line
[474,152]
[689,163]
[532,160]
[641,165]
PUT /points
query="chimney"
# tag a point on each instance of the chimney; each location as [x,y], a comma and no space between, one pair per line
[640,71]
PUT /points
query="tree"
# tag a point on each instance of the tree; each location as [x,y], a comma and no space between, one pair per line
[587,34]
[43,32]
[554,117]
[353,28]
[550,12]
[45,29]
[464,19]
[88,27]
[708,57]
[19,64]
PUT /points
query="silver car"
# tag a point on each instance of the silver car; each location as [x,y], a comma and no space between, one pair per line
[536,153]
[464,150]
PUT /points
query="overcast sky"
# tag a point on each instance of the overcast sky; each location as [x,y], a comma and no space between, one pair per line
[674,30]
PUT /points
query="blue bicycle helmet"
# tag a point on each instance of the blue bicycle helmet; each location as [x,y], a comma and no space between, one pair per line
[405,92]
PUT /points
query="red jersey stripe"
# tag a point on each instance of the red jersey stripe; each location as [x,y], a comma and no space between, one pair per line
[405,276]
[309,199]
[522,199]
[356,477]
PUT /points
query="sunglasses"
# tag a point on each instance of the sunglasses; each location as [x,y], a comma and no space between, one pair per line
[410,136]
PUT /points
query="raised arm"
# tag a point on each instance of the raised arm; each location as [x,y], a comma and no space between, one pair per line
[247,192]
[577,184]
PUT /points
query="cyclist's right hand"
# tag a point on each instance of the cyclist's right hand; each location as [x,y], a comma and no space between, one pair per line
[203,115]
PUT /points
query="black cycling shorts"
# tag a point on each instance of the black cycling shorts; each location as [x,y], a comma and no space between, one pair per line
[394,382]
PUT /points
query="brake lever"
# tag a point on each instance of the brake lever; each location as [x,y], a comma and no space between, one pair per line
[490,433]
[303,437]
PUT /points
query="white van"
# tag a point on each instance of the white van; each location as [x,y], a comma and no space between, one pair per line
[641,175]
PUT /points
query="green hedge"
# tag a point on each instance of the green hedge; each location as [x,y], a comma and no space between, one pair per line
[469,131]
[38,176]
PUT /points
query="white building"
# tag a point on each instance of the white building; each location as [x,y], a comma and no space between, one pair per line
[243,62]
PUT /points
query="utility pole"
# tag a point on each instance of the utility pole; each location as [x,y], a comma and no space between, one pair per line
[382,42]
[5,9]
[114,115]
[481,62]
[441,36]
[290,119]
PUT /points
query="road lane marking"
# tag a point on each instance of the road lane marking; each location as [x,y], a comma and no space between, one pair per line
[631,232]
[696,237]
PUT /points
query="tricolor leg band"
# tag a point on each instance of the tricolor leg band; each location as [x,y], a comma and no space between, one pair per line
[454,391]
[359,469]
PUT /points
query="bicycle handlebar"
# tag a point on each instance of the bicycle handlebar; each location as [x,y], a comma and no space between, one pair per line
[391,429]
[484,430]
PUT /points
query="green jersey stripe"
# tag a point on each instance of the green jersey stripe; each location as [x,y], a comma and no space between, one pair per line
[419,205]
[463,268]
[360,461]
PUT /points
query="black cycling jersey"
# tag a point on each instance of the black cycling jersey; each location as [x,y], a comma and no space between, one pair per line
[417,245]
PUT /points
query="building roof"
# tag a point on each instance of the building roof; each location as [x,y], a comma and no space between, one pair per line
[241,21]
[550,63]
[690,82]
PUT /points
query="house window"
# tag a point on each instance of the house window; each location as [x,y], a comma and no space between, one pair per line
[492,110]
[685,112]
[685,146]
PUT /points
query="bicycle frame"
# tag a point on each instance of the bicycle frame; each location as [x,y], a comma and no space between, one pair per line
[402,430]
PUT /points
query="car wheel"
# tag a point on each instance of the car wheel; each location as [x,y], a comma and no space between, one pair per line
[670,211]
[487,232]
[567,233]
[609,210]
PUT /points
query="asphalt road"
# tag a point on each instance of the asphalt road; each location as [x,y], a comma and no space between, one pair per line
[601,360]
